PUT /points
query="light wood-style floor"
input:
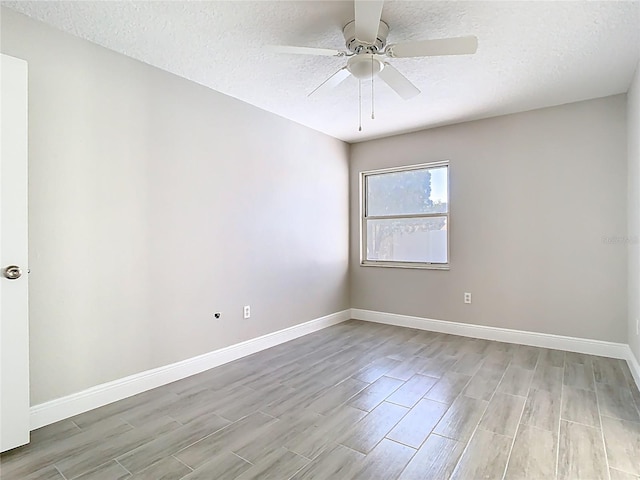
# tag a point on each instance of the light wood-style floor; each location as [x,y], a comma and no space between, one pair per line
[361,400]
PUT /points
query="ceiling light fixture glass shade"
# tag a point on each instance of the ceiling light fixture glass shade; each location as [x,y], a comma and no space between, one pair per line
[364,67]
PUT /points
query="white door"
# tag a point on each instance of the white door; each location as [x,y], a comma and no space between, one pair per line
[14,313]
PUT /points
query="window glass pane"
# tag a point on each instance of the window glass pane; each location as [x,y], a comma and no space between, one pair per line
[408,240]
[405,193]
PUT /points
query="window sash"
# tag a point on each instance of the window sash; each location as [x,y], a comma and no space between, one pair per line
[365,218]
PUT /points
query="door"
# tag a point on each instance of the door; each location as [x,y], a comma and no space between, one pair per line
[14,313]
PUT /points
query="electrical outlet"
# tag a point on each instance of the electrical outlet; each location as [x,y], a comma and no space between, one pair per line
[217,314]
[467,297]
[247,311]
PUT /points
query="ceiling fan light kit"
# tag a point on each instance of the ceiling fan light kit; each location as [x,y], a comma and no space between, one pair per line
[365,39]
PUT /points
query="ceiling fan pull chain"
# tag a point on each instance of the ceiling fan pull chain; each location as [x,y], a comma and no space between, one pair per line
[373,116]
[359,105]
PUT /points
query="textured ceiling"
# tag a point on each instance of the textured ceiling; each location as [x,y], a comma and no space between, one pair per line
[530,54]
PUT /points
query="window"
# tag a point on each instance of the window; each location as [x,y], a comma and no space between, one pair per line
[405,217]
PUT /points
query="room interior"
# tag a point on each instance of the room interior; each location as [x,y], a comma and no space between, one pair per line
[178,168]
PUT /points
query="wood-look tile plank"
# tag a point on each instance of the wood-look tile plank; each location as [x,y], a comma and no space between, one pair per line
[374,394]
[372,428]
[542,410]
[54,432]
[548,378]
[484,383]
[533,456]
[221,465]
[24,461]
[408,368]
[279,465]
[170,443]
[578,376]
[337,395]
[312,441]
[376,369]
[622,439]
[581,453]
[461,419]
[580,406]
[551,358]
[412,391]
[503,414]
[616,401]
[438,366]
[516,381]
[497,361]
[525,357]
[468,364]
[233,436]
[337,462]
[48,473]
[107,471]
[579,358]
[74,465]
[253,401]
[485,457]
[167,468]
[609,370]
[618,475]
[276,435]
[436,458]
[416,425]
[448,387]
[385,461]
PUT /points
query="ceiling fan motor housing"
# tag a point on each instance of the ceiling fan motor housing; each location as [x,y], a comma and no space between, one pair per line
[357,46]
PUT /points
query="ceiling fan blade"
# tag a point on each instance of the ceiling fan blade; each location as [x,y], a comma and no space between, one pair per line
[329,52]
[398,82]
[428,48]
[368,13]
[333,81]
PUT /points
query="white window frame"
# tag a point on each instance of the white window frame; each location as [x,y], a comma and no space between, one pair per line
[363,219]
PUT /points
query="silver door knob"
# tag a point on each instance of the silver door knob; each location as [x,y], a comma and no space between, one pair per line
[12,272]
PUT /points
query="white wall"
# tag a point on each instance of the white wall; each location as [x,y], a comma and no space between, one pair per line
[155,202]
[536,198]
[633,152]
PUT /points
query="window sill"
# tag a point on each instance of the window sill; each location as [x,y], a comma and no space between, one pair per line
[416,266]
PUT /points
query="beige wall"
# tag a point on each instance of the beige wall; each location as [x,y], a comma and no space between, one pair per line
[532,197]
[633,151]
[155,202]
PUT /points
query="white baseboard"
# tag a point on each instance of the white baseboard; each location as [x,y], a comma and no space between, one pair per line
[94,397]
[546,340]
[634,366]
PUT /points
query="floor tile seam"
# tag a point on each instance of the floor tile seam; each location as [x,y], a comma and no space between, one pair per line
[181,462]
[77,426]
[515,434]
[88,470]
[60,472]
[466,447]
[604,443]
[189,445]
[559,418]
[176,420]
[241,458]
[618,418]
[346,436]
[125,468]
[406,444]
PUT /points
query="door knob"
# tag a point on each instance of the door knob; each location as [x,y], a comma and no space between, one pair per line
[12,272]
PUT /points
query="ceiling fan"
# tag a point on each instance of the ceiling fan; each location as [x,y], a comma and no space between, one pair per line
[367,51]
